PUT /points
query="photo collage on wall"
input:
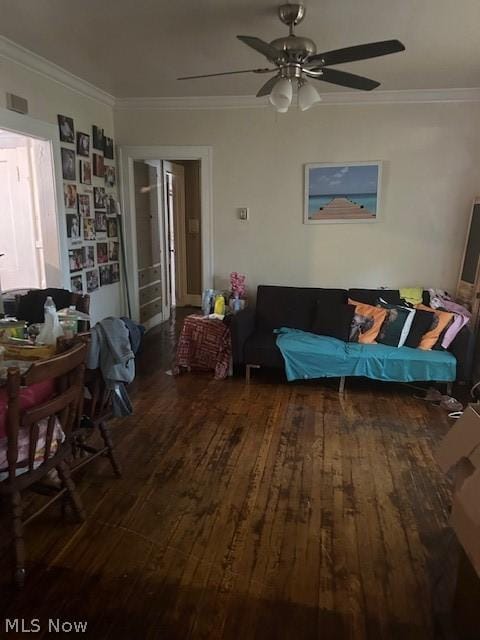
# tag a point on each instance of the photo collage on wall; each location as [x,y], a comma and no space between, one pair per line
[89,192]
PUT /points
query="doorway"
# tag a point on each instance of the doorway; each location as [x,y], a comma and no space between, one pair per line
[167,204]
[28,218]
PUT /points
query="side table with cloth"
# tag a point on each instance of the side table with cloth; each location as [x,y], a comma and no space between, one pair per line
[204,344]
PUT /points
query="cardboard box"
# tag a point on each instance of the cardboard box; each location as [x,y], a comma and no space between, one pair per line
[461,448]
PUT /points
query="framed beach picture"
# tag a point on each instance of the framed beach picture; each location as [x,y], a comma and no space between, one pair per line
[345,192]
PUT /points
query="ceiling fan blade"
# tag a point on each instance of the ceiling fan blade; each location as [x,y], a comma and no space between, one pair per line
[267,87]
[227,73]
[359,52]
[262,47]
[344,79]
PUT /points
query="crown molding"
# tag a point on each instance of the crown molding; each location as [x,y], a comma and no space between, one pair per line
[405,96]
[12,51]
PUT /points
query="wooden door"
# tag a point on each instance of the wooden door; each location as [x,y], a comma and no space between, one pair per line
[174,185]
[468,288]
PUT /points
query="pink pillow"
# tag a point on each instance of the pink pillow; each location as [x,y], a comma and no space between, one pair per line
[29,397]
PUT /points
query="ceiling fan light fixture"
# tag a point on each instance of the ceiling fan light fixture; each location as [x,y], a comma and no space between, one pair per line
[282,94]
[307,96]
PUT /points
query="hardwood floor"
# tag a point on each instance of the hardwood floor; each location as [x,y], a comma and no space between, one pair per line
[269,511]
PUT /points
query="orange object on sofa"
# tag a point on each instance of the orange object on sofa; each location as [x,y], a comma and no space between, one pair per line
[375,314]
[430,339]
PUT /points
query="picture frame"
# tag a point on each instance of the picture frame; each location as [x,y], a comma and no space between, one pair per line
[68,164]
[85,167]
[108,148]
[84,205]
[74,231]
[100,222]
[92,280]
[98,165]
[105,275]
[99,198]
[76,259]
[89,256]
[76,284]
[66,129]
[70,195]
[110,178]
[97,138]
[83,144]
[88,229]
[342,193]
[102,253]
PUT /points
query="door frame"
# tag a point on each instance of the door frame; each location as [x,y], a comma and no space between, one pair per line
[127,155]
[28,126]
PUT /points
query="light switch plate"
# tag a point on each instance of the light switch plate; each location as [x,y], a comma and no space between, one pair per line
[243,213]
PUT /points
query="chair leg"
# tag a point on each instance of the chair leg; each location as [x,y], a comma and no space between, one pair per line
[107,439]
[18,539]
[341,386]
[248,371]
[64,473]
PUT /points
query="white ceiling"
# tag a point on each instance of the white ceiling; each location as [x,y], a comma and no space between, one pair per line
[137,48]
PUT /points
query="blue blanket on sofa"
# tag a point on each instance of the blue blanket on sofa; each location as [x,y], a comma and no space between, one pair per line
[308,355]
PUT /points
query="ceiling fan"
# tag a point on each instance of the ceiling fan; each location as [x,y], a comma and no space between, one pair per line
[296,60]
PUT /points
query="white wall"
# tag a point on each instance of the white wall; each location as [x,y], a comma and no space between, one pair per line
[431,171]
[46,99]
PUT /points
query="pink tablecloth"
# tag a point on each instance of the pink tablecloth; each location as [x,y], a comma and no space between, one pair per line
[204,344]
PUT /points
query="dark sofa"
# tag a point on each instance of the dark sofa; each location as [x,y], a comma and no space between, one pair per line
[254,343]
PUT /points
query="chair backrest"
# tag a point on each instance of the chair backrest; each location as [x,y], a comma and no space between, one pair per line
[40,422]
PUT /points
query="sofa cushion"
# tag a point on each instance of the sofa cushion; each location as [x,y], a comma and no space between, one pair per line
[261,348]
[440,323]
[292,307]
[367,322]
[422,321]
[395,329]
[333,320]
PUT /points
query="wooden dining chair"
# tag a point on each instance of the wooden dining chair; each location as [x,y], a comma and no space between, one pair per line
[39,439]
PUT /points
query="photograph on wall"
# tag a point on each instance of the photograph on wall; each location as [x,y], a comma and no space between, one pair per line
[76,259]
[92,280]
[115,272]
[100,222]
[66,128]
[88,229]
[84,205]
[108,148]
[109,176]
[68,164]
[112,227]
[76,284]
[83,144]
[70,195]
[97,138]
[105,275]
[102,253]
[73,226]
[342,192]
[98,165]
[85,171]
[112,251]
[99,198]
[111,205]
[90,256]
